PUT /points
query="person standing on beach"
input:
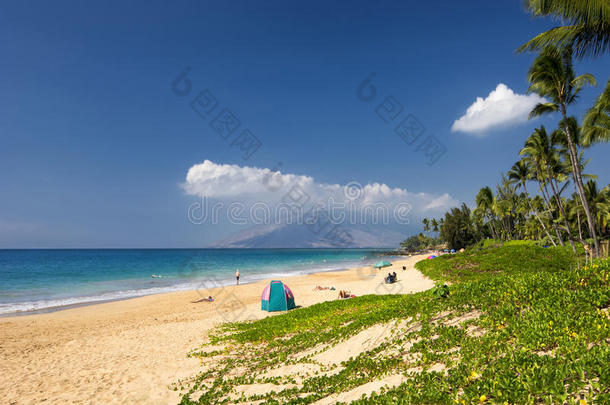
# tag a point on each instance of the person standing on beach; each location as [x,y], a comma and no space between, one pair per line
[237,276]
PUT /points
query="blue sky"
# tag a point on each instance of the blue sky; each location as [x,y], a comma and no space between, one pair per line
[95,145]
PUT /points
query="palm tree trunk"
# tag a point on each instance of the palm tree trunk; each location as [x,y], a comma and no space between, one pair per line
[546,199]
[579,225]
[543,226]
[536,215]
[560,205]
[578,181]
[493,231]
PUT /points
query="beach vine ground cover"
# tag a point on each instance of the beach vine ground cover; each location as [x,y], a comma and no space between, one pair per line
[520,324]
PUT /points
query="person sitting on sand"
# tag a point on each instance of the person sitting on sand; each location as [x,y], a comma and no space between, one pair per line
[209,299]
[343,294]
[394,277]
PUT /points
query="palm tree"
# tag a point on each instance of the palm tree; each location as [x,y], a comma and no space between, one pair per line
[596,125]
[434,224]
[540,150]
[508,206]
[559,138]
[539,205]
[552,75]
[574,210]
[485,200]
[500,210]
[588,29]
[519,174]
[426,223]
[600,203]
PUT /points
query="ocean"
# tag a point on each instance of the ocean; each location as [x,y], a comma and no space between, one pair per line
[45,280]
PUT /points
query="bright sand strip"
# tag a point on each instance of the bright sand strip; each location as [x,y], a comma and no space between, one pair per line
[131,351]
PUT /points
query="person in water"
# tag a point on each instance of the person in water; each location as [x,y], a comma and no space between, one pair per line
[237,276]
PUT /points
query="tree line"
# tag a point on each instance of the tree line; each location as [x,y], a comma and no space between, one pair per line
[568,206]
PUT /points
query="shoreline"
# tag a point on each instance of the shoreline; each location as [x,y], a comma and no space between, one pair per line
[132,350]
[258,278]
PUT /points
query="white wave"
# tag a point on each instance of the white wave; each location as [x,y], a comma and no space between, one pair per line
[28,306]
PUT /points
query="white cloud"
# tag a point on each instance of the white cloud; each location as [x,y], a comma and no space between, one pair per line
[252,184]
[502,107]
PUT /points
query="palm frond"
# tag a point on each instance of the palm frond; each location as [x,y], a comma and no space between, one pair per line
[585,78]
[543,108]
[586,29]
[579,11]
[596,125]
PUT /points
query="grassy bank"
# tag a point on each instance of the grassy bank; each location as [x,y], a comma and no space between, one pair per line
[517,324]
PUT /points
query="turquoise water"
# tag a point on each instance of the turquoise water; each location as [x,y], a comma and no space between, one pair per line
[43,279]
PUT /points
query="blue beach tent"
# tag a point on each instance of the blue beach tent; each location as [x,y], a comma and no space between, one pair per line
[277,296]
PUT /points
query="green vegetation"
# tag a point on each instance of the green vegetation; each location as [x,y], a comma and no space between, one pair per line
[513,319]
[596,125]
[517,323]
[587,30]
[419,242]
[551,159]
[457,230]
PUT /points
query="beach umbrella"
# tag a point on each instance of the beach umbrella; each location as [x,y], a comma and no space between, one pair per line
[382,264]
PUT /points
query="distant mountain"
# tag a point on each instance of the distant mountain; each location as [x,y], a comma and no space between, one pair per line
[301,236]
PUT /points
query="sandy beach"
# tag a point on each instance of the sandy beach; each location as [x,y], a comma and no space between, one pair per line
[131,351]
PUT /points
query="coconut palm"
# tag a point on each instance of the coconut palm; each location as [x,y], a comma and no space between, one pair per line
[485,201]
[519,174]
[434,223]
[509,206]
[552,76]
[596,125]
[575,213]
[588,29]
[600,204]
[539,149]
[426,223]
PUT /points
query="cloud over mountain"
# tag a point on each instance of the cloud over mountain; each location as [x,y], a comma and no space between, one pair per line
[252,184]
